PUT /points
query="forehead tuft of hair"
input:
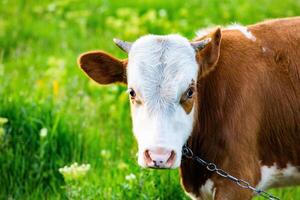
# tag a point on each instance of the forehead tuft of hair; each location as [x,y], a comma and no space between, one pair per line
[148,42]
[161,67]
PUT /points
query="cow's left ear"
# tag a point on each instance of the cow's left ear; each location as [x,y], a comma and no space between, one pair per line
[208,54]
[103,68]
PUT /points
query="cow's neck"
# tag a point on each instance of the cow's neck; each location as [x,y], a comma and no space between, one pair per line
[206,139]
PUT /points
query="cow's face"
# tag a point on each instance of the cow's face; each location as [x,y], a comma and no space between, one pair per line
[161,74]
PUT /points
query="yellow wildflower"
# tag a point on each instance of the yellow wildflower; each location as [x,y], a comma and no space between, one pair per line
[55,88]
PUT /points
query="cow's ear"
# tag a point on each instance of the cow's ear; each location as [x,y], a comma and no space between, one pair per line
[208,55]
[103,68]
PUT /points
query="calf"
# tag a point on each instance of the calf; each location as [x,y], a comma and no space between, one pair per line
[232,94]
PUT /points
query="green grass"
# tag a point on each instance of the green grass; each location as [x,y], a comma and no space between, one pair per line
[42,87]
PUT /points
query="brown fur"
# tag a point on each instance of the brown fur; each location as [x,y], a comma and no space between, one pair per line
[103,68]
[186,102]
[208,57]
[249,108]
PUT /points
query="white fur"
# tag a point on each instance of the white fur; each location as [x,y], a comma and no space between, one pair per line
[160,69]
[207,191]
[274,177]
[243,29]
[204,32]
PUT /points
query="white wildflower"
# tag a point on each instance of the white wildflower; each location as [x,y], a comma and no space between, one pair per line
[130,177]
[122,165]
[43,132]
[162,12]
[74,171]
[3,120]
[105,153]
[51,7]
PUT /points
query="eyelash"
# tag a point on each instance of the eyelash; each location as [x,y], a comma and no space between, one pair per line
[132,93]
[189,93]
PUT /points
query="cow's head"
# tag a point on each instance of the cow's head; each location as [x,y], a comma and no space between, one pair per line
[161,73]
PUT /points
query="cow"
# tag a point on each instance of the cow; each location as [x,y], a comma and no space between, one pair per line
[232,93]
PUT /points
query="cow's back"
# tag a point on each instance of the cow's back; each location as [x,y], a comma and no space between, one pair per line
[262,76]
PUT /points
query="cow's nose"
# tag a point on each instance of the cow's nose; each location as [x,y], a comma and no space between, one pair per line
[159,158]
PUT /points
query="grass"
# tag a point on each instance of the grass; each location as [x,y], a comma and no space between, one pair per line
[42,87]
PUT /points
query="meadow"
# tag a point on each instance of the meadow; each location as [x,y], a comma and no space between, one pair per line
[51,115]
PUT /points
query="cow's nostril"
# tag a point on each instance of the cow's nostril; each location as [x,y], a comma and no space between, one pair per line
[147,157]
[155,163]
[171,159]
[159,158]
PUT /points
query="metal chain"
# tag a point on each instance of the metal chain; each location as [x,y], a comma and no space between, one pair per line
[188,153]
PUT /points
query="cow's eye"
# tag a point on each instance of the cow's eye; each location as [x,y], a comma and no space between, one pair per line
[190,93]
[131,93]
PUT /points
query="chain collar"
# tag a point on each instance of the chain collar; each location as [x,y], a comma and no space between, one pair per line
[188,153]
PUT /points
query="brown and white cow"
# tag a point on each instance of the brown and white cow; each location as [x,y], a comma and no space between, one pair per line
[233,93]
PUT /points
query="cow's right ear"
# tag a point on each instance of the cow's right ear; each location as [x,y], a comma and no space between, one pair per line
[103,68]
[208,55]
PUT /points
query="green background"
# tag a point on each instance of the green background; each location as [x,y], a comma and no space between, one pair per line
[41,86]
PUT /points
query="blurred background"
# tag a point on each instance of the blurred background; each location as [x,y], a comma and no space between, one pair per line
[61,135]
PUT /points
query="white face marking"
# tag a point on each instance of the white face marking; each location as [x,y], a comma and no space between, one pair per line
[274,177]
[160,69]
[243,29]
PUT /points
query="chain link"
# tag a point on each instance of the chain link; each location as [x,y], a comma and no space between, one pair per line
[188,153]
